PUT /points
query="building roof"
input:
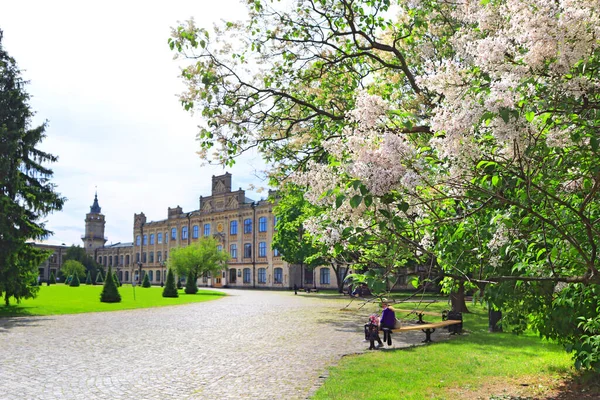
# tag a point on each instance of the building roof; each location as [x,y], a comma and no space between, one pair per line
[95,208]
[119,244]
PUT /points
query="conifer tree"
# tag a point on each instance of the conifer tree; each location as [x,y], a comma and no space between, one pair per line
[99,278]
[190,285]
[88,278]
[110,292]
[74,281]
[146,281]
[52,278]
[116,279]
[170,290]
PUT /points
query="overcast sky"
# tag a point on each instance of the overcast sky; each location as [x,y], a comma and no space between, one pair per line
[103,76]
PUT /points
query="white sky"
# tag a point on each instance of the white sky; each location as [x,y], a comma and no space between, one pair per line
[103,76]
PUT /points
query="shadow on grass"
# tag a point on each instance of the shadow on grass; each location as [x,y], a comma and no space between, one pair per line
[17,311]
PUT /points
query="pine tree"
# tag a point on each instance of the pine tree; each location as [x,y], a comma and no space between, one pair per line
[52,278]
[99,278]
[179,286]
[74,281]
[116,279]
[146,281]
[110,292]
[88,278]
[170,290]
[190,285]
[26,192]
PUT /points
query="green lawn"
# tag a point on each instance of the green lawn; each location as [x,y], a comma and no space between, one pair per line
[475,365]
[63,299]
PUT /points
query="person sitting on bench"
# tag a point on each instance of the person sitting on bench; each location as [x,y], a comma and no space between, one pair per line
[387,322]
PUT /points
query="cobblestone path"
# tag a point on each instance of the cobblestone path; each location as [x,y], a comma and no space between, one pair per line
[248,345]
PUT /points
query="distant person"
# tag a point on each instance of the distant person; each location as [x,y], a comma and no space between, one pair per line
[387,322]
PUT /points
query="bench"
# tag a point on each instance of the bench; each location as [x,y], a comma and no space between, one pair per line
[427,328]
[420,314]
[308,290]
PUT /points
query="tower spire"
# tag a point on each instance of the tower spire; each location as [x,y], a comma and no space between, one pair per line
[95,208]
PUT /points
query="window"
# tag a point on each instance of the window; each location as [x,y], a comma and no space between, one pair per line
[233,250]
[152,238]
[157,275]
[276,252]
[159,238]
[166,255]
[174,234]
[137,240]
[145,240]
[278,275]
[144,257]
[184,233]
[121,260]
[247,250]
[158,256]
[206,229]
[127,259]
[166,238]
[324,276]
[137,257]
[109,260]
[195,232]
[100,260]
[262,224]
[151,254]
[150,276]
[248,225]
[246,275]
[308,276]
[126,275]
[233,228]
[262,275]
[219,248]
[105,262]
[262,249]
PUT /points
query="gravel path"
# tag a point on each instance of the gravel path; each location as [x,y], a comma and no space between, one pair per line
[248,345]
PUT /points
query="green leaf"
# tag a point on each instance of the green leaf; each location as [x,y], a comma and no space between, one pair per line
[355,201]
[339,200]
[368,201]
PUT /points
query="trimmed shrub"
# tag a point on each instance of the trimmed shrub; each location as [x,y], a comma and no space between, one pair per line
[52,278]
[68,280]
[88,278]
[146,281]
[116,279]
[110,292]
[170,290]
[190,285]
[179,286]
[74,281]
[99,277]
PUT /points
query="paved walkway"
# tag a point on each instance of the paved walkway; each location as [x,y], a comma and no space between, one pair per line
[249,345]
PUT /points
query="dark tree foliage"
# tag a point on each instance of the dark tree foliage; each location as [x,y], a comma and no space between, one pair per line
[179,285]
[78,253]
[88,278]
[190,285]
[75,281]
[116,279]
[170,290]
[52,278]
[99,277]
[26,193]
[146,281]
[110,292]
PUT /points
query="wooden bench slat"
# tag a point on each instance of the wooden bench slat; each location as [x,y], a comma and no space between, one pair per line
[427,326]
[420,312]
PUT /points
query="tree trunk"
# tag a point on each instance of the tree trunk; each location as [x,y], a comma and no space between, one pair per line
[458,299]
[494,317]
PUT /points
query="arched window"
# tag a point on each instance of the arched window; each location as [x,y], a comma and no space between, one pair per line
[262,224]
[173,234]
[262,275]
[127,259]
[184,233]
[278,275]
[137,240]
[109,260]
[150,275]
[152,238]
[233,250]
[247,250]
[159,238]
[145,240]
[158,275]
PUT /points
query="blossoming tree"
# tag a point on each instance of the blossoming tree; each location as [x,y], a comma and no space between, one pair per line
[461,134]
